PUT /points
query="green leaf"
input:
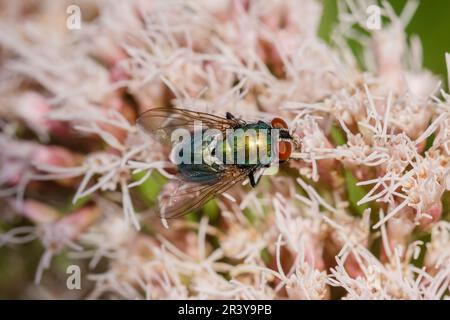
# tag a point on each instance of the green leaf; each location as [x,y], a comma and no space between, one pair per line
[249,215]
[151,187]
[266,256]
[430,141]
[354,193]
[329,18]
[77,205]
[211,209]
[192,217]
[337,135]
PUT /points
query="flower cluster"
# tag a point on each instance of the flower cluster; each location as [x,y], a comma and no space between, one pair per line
[360,211]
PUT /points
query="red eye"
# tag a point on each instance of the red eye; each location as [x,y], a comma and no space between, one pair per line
[284,150]
[279,123]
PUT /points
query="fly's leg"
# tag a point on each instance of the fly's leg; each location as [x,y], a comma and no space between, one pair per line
[256,175]
[253,181]
[237,122]
[229,116]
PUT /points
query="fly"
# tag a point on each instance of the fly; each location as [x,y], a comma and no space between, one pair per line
[212,157]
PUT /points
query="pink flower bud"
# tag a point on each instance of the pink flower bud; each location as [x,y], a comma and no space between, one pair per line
[55,156]
[434,212]
[34,110]
[388,47]
[39,212]
[81,219]
[117,74]
[59,157]
[399,229]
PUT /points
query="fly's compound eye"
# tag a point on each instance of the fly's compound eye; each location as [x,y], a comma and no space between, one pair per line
[284,147]
[284,150]
[279,123]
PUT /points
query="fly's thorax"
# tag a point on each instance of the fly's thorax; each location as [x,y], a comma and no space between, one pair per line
[248,145]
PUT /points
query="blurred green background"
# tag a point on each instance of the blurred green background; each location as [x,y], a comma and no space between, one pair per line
[431,23]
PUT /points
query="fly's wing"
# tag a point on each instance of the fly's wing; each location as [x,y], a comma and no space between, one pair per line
[181,197]
[161,122]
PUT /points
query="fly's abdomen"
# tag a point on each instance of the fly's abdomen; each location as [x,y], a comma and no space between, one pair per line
[195,161]
[199,173]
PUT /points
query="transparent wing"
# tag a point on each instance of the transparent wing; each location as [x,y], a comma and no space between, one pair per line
[181,197]
[160,122]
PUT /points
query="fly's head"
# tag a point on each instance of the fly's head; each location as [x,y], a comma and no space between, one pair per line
[287,143]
